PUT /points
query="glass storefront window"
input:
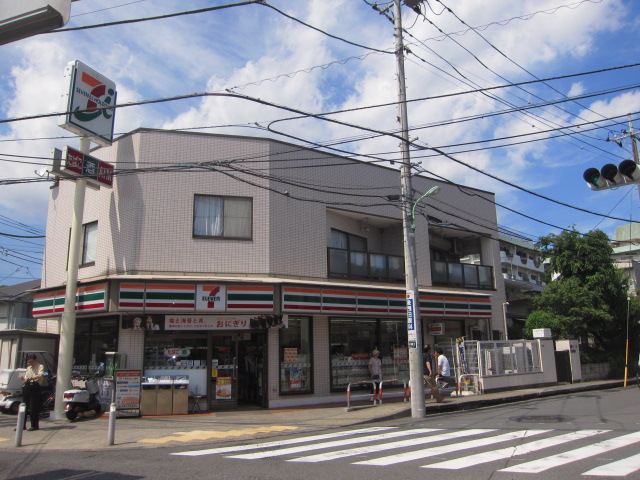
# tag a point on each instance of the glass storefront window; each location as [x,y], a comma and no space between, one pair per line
[353,340]
[165,350]
[94,337]
[296,356]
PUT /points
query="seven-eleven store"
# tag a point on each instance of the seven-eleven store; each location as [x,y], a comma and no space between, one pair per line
[260,343]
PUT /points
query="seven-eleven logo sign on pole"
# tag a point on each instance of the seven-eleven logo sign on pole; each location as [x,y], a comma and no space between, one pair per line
[87,103]
[211,298]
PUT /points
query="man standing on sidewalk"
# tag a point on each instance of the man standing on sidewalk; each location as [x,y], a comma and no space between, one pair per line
[32,390]
[430,373]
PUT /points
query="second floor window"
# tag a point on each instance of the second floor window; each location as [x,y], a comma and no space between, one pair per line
[348,241]
[89,243]
[224,217]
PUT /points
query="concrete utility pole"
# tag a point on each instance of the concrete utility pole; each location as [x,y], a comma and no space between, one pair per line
[68,321]
[414,322]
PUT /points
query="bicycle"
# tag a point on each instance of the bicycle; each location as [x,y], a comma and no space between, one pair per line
[48,403]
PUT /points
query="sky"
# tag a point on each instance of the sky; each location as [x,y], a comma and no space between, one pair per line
[529,143]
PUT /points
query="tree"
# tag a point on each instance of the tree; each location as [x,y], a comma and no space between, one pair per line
[588,297]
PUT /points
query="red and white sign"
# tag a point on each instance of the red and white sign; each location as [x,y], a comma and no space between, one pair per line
[89,103]
[436,329]
[211,298]
[78,164]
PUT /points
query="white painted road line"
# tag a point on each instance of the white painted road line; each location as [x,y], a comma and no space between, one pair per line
[510,452]
[323,457]
[280,443]
[621,468]
[446,449]
[336,443]
[574,455]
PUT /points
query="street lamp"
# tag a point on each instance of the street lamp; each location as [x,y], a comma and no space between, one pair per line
[430,193]
[504,318]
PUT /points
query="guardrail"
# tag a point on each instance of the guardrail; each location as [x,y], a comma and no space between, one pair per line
[405,389]
[364,382]
[377,394]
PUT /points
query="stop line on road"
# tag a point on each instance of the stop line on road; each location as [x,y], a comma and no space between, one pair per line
[407,443]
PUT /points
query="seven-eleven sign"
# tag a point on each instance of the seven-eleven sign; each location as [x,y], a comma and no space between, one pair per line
[211,298]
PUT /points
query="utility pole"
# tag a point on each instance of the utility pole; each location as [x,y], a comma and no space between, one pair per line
[631,134]
[68,321]
[414,322]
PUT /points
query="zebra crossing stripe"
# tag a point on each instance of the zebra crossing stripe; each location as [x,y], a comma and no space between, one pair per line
[322,457]
[621,468]
[574,455]
[445,449]
[335,443]
[280,443]
[510,452]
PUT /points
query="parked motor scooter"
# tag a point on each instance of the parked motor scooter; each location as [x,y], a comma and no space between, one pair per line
[80,400]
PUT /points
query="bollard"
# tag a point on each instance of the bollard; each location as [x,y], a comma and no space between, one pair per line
[22,413]
[112,424]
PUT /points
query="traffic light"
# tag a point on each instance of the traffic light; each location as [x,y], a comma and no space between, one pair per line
[610,176]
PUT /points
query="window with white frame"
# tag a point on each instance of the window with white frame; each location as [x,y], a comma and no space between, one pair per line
[89,243]
[222,217]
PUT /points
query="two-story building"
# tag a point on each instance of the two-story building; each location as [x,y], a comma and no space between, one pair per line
[267,272]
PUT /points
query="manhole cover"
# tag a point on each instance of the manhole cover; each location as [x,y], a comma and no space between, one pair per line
[541,419]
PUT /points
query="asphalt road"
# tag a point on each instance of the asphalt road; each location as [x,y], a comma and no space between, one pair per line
[582,435]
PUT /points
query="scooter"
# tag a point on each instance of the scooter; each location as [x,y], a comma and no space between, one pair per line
[80,400]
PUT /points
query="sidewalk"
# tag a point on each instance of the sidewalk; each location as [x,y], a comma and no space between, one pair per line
[151,432]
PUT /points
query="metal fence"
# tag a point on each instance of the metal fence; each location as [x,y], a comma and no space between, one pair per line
[507,357]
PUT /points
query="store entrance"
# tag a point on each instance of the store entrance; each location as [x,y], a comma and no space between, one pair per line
[237,370]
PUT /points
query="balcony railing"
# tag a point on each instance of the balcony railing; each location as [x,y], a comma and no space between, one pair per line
[18,323]
[463,275]
[353,264]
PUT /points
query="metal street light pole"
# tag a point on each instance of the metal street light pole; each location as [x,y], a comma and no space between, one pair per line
[626,356]
[504,319]
[414,325]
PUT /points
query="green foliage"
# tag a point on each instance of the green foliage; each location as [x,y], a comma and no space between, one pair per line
[589,297]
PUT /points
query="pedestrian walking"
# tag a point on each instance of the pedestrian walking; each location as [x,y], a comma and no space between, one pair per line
[32,391]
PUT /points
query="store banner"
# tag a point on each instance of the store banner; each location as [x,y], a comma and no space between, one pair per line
[207,322]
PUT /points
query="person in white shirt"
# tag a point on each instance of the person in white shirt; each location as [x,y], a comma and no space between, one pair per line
[32,391]
[375,369]
[442,375]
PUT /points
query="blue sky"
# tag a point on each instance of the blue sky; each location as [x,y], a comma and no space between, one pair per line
[256,51]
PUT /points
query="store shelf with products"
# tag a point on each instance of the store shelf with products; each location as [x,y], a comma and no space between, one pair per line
[345,371]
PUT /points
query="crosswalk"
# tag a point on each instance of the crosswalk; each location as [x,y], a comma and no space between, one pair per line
[448,449]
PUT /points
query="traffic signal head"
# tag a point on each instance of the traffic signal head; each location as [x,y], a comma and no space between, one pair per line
[610,176]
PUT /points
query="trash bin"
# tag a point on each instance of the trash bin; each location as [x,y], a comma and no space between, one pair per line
[149,398]
[165,397]
[180,397]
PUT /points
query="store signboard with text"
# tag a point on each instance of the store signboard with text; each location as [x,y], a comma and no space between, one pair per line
[90,98]
[207,322]
[211,298]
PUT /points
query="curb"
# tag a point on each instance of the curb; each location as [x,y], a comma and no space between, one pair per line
[438,408]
